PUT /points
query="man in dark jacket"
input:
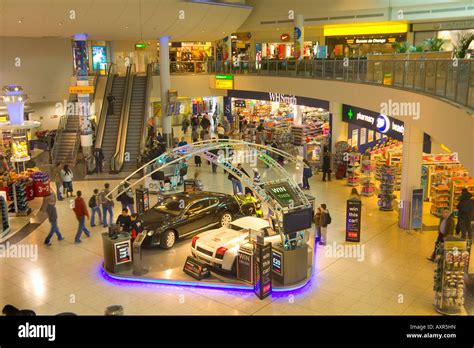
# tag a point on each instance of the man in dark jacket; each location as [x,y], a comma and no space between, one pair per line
[326,167]
[445,228]
[99,158]
[124,220]
[110,104]
[53,219]
[465,209]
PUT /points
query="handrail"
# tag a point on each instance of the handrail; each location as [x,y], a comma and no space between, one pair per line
[116,162]
[450,79]
[146,115]
[57,137]
[96,83]
[105,105]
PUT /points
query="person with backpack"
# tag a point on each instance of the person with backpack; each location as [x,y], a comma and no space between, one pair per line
[81,212]
[94,204]
[107,205]
[325,221]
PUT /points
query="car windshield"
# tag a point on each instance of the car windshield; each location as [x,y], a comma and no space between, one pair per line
[235,228]
[170,205]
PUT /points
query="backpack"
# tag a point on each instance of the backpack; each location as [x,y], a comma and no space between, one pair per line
[92,202]
[329,220]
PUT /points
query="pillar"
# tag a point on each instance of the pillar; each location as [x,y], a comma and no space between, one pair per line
[299,37]
[338,127]
[411,171]
[166,120]
[83,107]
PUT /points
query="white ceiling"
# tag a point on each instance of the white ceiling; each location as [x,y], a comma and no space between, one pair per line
[120,19]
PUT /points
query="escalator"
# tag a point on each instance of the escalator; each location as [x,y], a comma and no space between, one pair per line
[132,126]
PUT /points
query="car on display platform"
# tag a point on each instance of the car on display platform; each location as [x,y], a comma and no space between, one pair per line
[183,214]
[219,248]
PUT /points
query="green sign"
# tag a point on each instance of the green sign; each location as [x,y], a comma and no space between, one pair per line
[140,46]
[350,114]
[224,77]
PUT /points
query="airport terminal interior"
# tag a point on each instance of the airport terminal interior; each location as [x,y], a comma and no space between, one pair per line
[236,157]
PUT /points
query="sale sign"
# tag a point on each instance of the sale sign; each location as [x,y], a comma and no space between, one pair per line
[353,220]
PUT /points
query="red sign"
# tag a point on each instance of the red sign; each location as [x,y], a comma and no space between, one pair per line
[285,37]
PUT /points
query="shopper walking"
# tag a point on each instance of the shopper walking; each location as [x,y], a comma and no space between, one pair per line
[307,173]
[184,125]
[66,177]
[99,159]
[81,213]
[466,210]
[326,164]
[53,220]
[317,223]
[445,228]
[94,204]
[107,205]
[324,222]
[58,181]
[126,198]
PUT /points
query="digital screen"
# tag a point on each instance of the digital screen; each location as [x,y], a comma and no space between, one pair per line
[122,252]
[283,194]
[99,58]
[297,221]
[276,262]
[239,103]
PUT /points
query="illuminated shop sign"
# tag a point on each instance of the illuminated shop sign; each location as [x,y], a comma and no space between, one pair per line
[375,121]
[279,97]
[224,82]
[282,98]
[285,37]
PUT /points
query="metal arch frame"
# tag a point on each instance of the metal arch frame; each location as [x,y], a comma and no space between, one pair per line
[178,151]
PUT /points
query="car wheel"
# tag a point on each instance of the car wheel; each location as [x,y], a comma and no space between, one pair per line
[234,267]
[226,219]
[167,239]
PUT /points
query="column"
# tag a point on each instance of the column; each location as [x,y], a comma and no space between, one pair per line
[411,171]
[338,127]
[165,87]
[299,37]
[83,107]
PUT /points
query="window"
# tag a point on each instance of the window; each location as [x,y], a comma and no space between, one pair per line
[198,206]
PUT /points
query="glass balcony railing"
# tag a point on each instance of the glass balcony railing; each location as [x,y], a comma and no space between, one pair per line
[444,78]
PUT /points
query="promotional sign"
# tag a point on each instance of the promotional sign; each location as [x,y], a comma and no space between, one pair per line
[416,213]
[239,103]
[262,270]
[81,89]
[285,37]
[277,262]
[123,252]
[99,58]
[353,220]
[245,264]
[143,200]
[224,81]
[196,269]
[283,193]
[375,121]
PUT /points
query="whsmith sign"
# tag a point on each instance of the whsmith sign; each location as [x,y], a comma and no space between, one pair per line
[387,125]
[279,97]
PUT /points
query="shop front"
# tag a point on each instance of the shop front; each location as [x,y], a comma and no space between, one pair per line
[362,40]
[283,48]
[288,121]
[190,57]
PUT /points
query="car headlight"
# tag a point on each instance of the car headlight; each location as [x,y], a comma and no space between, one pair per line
[150,233]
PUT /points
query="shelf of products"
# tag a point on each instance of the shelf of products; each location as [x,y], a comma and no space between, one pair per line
[342,148]
[449,280]
[5,223]
[18,196]
[388,176]
[368,179]
[439,199]
[353,169]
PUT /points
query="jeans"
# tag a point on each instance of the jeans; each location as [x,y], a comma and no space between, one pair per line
[318,233]
[81,227]
[95,210]
[54,230]
[58,190]
[107,208]
[130,207]
[324,231]
[305,182]
[237,186]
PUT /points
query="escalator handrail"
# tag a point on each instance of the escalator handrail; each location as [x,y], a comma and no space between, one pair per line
[116,162]
[146,109]
[105,105]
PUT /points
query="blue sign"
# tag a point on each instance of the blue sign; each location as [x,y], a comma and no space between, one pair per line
[416,213]
[383,124]
[297,33]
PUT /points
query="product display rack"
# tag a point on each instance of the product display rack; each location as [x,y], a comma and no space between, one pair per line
[342,149]
[17,194]
[449,280]
[368,180]
[5,223]
[440,199]
[388,175]
[353,169]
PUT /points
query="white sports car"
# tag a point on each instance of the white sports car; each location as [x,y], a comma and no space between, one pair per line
[219,247]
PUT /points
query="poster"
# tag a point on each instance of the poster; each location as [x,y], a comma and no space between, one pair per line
[363,136]
[377,136]
[123,252]
[416,212]
[99,59]
[353,220]
[355,137]
[370,136]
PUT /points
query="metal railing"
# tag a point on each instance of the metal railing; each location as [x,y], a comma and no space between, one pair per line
[452,79]
[57,138]
[149,87]
[105,105]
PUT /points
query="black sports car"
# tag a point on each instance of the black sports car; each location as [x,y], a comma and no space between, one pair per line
[185,214]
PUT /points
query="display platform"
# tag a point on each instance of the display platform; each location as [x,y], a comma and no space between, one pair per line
[166,267]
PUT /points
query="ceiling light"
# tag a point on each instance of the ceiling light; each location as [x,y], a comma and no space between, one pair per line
[20,21]
[126,27]
[60,23]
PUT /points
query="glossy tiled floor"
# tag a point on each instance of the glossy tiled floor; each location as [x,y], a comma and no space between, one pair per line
[393,278]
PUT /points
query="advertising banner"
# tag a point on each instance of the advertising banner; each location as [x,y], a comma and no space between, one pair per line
[416,213]
[353,220]
[262,270]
